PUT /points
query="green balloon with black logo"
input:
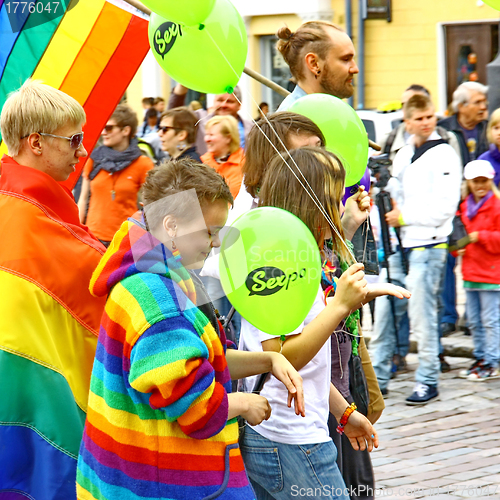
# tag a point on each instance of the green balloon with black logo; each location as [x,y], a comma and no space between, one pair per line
[207,58]
[270,269]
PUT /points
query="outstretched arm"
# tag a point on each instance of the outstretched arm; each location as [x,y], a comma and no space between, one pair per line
[244,364]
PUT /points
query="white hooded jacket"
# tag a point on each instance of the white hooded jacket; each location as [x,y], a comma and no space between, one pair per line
[427,191]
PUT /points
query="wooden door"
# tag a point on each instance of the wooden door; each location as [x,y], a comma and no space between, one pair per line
[469,48]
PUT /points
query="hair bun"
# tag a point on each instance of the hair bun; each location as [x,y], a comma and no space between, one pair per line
[284,33]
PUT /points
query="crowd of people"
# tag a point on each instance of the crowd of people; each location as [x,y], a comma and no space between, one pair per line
[123,364]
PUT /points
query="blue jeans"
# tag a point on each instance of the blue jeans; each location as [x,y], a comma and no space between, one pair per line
[449,295]
[424,282]
[282,471]
[483,314]
[383,343]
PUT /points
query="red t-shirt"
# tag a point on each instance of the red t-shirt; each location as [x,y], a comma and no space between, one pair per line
[107,211]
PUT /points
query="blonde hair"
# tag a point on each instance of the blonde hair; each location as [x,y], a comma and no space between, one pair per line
[494,120]
[228,127]
[36,107]
[326,176]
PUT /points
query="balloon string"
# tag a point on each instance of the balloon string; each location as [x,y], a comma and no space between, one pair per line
[309,191]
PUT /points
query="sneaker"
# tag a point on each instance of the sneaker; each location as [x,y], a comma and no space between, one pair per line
[477,365]
[486,372]
[385,392]
[422,394]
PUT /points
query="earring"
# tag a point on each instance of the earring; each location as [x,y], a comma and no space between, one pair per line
[181,146]
[175,252]
[317,74]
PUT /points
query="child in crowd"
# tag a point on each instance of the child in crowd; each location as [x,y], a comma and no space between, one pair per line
[285,451]
[480,213]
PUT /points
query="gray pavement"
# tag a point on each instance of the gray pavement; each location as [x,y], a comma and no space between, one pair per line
[447,449]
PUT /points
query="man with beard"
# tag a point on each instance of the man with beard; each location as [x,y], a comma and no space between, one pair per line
[321,60]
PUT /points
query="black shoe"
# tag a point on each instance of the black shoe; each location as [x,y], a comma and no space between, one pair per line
[385,392]
[422,394]
[448,329]
[444,365]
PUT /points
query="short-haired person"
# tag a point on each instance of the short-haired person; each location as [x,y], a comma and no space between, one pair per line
[178,133]
[159,105]
[162,420]
[399,135]
[469,123]
[224,153]
[49,321]
[113,176]
[426,190]
[321,59]
[150,123]
[223,105]
[493,135]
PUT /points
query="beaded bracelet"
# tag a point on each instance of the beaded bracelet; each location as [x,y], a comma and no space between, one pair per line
[345,417]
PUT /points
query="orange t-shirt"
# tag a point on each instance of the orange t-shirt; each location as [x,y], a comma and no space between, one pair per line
[230,169]
[106,214]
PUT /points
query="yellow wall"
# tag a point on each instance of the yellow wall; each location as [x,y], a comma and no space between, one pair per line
[405,51]
[261,26]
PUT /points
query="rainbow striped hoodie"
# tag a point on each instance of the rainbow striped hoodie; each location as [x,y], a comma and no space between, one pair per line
[157,423]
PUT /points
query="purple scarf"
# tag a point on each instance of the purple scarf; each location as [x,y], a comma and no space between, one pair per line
[473,207]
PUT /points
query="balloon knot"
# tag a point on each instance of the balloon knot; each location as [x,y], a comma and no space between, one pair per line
[229,89]
[201,27]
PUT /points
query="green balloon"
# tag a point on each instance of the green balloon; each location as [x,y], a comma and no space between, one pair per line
[493,3]
[209,58]
[188,12]
[270,269]
[344,131]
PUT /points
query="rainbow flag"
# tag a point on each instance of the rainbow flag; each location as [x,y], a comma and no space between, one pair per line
[91,51]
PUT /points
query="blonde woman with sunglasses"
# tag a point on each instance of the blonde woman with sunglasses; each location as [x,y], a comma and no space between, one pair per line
[49,321]
[113,176]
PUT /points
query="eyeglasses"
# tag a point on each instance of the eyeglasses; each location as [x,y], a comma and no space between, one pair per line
[109,128]
[75,141]
[166,128]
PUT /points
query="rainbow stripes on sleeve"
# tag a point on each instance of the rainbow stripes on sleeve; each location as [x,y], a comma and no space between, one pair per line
[91,52]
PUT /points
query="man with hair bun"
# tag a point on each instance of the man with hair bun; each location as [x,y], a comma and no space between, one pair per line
[321,60]
[425,190]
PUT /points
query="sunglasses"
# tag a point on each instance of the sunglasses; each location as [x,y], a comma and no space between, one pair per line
[75,141]
[109,128]
[166,128]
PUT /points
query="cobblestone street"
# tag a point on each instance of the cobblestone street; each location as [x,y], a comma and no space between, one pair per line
[448,449]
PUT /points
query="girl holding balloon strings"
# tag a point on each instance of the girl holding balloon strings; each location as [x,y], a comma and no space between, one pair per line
[284,451]
[291,130]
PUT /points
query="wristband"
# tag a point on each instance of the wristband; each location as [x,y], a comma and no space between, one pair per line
[345,417]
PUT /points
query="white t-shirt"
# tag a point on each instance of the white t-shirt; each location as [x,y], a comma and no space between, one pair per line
[285,426]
